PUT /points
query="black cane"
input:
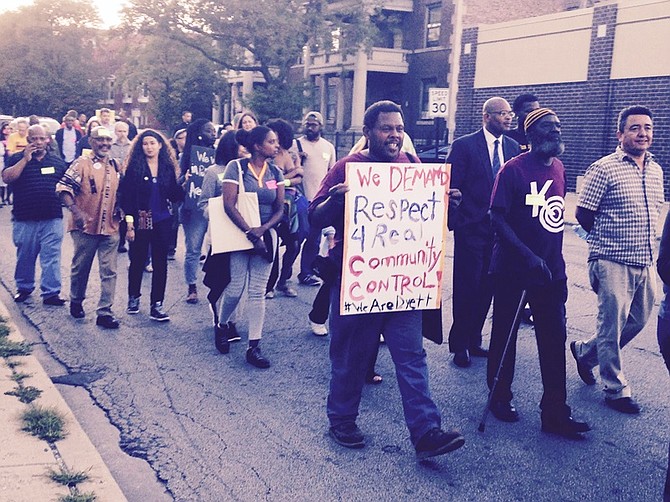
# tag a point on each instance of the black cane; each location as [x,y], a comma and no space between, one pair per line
[522,303]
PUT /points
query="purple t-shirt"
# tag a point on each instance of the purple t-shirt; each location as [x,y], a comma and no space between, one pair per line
[531,196]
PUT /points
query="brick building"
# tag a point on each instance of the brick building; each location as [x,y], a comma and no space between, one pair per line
[586,64]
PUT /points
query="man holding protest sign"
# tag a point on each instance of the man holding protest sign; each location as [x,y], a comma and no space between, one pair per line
[361,311]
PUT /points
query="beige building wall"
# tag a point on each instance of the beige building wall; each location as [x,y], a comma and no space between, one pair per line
[642,40]
[542,50]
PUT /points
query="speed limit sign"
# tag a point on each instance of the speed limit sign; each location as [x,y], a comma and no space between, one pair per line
[438,102]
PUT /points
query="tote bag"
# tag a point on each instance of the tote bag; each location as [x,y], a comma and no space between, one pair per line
[225,235]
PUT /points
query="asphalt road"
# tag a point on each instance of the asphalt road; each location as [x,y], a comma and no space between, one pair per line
[214,428]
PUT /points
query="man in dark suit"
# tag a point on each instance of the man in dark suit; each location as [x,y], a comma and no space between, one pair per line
[475,160]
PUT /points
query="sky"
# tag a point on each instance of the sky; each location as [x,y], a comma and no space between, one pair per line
[109,10]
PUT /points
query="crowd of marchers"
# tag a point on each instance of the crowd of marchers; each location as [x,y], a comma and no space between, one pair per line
[506,212]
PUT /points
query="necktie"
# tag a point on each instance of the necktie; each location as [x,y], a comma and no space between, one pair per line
[496,158]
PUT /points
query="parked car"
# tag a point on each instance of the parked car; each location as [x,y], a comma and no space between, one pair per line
[433,154]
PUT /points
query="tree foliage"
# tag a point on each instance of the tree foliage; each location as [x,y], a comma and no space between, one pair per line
[50,66]
[178,77]
[265,36]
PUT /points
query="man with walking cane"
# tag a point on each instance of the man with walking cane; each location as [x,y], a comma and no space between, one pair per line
[527,206]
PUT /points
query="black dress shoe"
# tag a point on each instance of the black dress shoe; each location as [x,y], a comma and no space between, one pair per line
[504,411]
[54,301]
[462,359]
[568,428]
[479,352]
[107,322]
[624,405]
[76,310]
[21,296]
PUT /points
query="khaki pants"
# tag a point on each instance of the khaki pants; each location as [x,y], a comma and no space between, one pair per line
[85,248]
[625,300]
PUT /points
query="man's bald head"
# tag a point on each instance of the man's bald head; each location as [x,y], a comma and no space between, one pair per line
[497,115]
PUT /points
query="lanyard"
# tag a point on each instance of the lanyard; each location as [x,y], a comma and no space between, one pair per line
[259,177]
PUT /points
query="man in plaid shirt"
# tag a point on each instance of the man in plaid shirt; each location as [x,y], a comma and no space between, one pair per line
[619,207]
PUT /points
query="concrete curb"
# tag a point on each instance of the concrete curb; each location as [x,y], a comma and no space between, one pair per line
[26,460]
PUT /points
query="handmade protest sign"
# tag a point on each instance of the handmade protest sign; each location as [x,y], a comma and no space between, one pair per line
[201,158]
[394,237]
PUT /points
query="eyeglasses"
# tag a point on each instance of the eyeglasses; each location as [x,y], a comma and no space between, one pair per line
[504,114]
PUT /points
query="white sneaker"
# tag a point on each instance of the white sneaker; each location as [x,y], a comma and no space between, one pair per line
[318,329]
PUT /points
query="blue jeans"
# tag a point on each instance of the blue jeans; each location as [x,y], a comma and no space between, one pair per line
[310,250]
[354,340]
[195,228]
[43,238]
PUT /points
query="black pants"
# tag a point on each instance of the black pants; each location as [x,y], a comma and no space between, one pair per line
[548,305]
[472,289]
[292,245]
[159,240]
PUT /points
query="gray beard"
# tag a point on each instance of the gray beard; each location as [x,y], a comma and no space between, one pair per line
[549,148]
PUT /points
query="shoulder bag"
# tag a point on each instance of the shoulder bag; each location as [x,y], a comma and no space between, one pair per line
[226,236]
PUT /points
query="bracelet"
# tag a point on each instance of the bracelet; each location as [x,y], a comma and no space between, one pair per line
[130,219]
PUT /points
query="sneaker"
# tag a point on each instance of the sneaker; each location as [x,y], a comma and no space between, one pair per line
[76,310]
[310,280]
[54,301]
[255,358]
[270,294]
[149,268]
[348,435]
[122,249]
[438,442]
[192,297]
[287,289]
[233,335]
[221,339]
[157,313]
[318,329]
[133,305]
[21,296]
[172,255]
[107,321]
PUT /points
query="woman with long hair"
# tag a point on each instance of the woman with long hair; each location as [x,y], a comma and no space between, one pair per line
[258,174]
[150,181]
[201,133]
[289,229]
[246,121]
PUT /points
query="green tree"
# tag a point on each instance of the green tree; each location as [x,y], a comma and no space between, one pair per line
[51,65]
[177,77]
[264,36]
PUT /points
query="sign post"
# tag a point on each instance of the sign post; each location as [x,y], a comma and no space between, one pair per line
[438,110]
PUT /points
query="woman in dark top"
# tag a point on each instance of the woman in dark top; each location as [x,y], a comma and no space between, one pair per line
[201,133]
[149,182]
[260,175]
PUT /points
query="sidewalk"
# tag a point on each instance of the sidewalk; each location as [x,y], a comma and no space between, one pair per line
[25,460]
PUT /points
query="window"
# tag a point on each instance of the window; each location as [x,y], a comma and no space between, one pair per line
[426,85]
[433,25]
[331,100]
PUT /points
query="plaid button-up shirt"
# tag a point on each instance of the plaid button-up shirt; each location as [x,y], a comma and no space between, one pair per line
[627,201]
